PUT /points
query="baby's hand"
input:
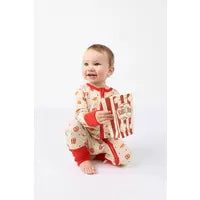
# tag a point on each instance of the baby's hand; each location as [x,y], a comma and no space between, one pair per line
[103,117]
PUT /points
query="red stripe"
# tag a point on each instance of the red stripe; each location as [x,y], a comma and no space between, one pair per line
[108,103]
[131,131]
[126,128]
[129,102]
[119,121]
[101,126]
[110,145]
[124,121]
[101,132]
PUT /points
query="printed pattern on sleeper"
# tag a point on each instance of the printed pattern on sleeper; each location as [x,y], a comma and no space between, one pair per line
[94,136]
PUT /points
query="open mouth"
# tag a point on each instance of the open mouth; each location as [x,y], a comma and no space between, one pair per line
[91,75]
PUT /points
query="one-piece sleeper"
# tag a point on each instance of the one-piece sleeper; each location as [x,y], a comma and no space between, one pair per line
[85,136]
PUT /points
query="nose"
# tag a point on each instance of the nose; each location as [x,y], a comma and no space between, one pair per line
[90,68]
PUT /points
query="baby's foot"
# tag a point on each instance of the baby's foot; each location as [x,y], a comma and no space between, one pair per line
[87,167]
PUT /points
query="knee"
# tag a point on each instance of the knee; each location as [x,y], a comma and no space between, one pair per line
[75,133]
[73,128]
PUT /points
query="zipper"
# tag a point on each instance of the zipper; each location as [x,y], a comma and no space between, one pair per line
[116,158]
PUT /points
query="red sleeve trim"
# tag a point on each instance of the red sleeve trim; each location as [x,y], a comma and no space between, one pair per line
[90,119]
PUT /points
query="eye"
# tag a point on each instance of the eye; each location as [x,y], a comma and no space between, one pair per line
[96,64]
[85,64]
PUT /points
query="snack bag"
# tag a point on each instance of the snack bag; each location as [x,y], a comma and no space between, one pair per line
[122,108]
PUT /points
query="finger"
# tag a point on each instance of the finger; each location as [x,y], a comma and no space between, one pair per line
[109,115]
[102,121]
[105,122]
[107,118]
[104,112]
[107,112]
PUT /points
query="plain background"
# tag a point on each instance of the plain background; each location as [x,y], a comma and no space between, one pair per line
[17,83]
[134,30]
[136,33]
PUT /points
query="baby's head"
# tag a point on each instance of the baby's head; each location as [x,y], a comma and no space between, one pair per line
[98,64]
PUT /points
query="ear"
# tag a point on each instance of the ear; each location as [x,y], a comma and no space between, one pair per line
[111,70]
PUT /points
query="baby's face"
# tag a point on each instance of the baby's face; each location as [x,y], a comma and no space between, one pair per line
[96,67]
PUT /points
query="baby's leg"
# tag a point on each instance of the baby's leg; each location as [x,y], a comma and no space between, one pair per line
[117,152]
[77,142]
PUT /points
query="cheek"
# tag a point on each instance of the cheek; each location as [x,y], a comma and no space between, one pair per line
[102,73]
[83,72]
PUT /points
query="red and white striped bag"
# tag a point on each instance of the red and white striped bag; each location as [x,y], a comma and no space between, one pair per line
[122,108]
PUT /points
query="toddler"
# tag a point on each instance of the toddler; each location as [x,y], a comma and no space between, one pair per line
[88,136]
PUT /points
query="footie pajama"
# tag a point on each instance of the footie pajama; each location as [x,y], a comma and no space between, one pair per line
[85,136]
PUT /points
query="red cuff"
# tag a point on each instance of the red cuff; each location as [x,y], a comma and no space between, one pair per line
[81,154]
[90,119]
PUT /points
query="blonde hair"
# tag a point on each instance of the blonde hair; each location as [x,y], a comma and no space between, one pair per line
[102,48]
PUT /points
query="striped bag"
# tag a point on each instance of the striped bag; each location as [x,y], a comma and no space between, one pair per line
[122,108]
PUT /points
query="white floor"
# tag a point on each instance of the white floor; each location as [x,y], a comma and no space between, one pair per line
[58,178]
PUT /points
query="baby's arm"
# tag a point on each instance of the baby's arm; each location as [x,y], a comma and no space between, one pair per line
[82,114]
[90,119]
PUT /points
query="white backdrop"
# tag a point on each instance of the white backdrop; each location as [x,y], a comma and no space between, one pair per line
[135,30]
